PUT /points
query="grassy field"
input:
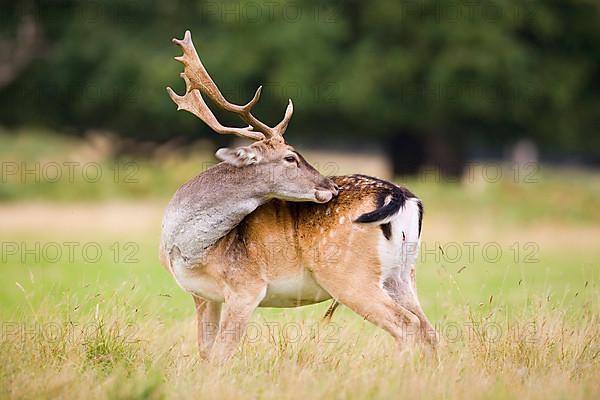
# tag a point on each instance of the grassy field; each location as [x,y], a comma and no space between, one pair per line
[508,274]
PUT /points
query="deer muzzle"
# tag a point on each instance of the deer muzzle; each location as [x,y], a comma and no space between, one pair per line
[326,191]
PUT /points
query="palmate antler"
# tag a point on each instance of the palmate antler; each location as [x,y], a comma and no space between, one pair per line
[198,82]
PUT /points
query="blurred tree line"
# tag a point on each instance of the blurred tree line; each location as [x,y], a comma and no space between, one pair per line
[456,73]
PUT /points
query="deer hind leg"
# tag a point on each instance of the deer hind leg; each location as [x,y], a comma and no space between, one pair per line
[208,315]
[237,310]
[364,295]
[405,295]
[400,282]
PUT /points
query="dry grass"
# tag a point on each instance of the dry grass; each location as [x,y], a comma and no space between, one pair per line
[541,352]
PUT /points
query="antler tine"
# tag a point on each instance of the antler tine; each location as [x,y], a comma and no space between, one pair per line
[198,78]
[193,102]
[282,126]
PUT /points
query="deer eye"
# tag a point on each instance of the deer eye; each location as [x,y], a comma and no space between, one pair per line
[290,159]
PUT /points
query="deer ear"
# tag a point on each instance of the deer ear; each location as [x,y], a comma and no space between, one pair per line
[239,157]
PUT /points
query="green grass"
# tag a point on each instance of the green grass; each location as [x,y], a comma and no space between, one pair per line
[43,166]
[532,194]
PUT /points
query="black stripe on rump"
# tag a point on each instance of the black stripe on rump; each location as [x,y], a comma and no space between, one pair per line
[397,198]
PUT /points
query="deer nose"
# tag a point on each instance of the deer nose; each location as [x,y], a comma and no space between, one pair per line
[335,189]
[329,185]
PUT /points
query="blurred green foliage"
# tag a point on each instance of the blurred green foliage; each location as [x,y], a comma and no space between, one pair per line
[484,71]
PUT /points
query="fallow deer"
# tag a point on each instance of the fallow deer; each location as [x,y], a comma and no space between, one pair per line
[226,232]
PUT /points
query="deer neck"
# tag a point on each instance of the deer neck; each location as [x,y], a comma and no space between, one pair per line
[209,206]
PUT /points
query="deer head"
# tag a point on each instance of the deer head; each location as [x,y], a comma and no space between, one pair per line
[287,175]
